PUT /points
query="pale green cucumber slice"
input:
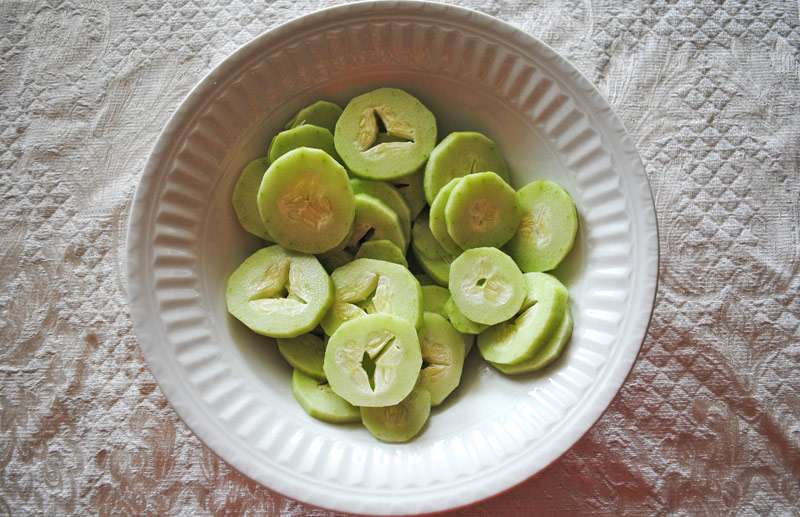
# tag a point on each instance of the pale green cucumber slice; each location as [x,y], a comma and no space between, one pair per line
[548,228]
[460,322]
[319,400]
[547,354]
[515,341]
[443,353]
[280,293]
[321,113]
[401,422]
[388,194]
[373,360]
[302,136]
[482,210]
[433,299]
[437,220]
[305,353]
[459,154]
[244,198]
[375,220]
[430,255]
[487,286]
[306,202]
[366,286]
[382,250]
[412,190]
[391,111]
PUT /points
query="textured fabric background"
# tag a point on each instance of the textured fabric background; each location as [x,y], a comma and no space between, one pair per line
[709,420]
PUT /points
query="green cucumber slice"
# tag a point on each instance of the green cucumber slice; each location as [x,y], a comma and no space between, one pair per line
[459,154]
[382,250]
[438,221]
[388,194]
[443,351]
[424,279]
[548,353]
[244,198]
[512,342]
[401,422]
[366,286]
[319,400]
[305,353]
[487,286]
[482,210]
[460,322]
[373,360]
[306,201]
[321,113]
[412,190]
[302,136]
[433,299]
[430,255]
[548,228]
[334,259]
[280,293]
[374,220]
[391,111]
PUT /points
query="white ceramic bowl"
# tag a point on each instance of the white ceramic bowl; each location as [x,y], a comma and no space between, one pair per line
[474,72]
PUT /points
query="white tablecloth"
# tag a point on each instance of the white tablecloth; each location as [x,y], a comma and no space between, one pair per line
[707,423]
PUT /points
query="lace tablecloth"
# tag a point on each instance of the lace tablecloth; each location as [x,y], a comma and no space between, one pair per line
[707,423]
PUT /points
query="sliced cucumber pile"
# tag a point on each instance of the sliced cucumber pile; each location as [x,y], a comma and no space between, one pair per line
[392,255]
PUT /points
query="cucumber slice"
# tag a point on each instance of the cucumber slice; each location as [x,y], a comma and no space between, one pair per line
[482,211]
[433,299]
[548,228]
[460,322]
[412,190]
[321,113]
[391,111]
[306,201]
[280,293]
[374,220]
[319,400]
[513,342]
[366,286]
[459,154]
[302,136]
[388,194]
[438,222]
[382,250]
[244,198]
[443,353]
[487,286]
[401,422]
[335,258]
[305,353]
[547,354]
[430,255]
[424,279]
[373,360]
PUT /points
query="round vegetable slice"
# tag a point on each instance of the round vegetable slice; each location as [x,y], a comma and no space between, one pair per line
[302,136]
[412,190]
[460,322]
[280,293]
[306,201]
[547,354]
[548,228]
[401,422]
[442,357]
[391,111]
[374,220]
[319,400]
[382,250]
[487,286]
[433,299]
[459,154]
[512,342]
[305,353]
[321,113]
[373,360]
[388,194]
[244,198]
[367,286]
[432,258]
[438,222]
[482,210]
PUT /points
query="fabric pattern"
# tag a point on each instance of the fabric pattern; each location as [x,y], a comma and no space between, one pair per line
[707,423]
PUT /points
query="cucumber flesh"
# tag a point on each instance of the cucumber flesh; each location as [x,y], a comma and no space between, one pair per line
[547,354]
[244,198]
[321,113]
[412,190]
[460,322]
[433,299]
[382,250]
[319,400]
[430,255]
[443,352]
[302,136]
[374,220]
[401,422]
[486,285]
[548,228]
[305,353]
[438,221]
[388,194]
